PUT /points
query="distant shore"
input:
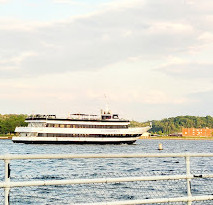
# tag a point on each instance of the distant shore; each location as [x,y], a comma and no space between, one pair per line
[6,137]
[176,138]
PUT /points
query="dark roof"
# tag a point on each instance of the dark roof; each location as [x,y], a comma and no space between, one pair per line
[66,119]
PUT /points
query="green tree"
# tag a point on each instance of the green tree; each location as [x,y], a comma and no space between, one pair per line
[8,123]
[175,124]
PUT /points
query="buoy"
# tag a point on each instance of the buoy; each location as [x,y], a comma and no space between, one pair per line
[160,146]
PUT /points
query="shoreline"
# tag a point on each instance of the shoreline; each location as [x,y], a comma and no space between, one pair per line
[6,137]
[176,138]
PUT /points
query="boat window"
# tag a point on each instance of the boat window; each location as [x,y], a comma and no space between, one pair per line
[115,116]
[106,117]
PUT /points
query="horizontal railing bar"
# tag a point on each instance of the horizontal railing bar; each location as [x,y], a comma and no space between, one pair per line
[97,180]
[91,181]
[157,200]
[73,156]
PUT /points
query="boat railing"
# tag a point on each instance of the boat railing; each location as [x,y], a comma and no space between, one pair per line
[189,191]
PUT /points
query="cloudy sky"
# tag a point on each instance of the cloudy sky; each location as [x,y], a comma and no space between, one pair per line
[152,58]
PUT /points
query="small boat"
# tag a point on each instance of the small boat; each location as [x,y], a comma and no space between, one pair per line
[107,128]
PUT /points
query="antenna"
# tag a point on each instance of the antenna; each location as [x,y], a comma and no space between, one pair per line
[33,113]
[107,104]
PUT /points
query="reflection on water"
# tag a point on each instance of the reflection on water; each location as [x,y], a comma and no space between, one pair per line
[51,169]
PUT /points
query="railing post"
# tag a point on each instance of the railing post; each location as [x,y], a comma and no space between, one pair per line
[188,173]
[7,181]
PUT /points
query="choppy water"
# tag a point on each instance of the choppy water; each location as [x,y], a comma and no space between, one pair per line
[96,168]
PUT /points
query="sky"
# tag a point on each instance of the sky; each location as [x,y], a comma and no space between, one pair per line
[151,59]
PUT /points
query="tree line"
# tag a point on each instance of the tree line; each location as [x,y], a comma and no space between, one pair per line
[174,124]
[9,122]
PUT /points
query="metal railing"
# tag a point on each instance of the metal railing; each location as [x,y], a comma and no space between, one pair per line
[7,184]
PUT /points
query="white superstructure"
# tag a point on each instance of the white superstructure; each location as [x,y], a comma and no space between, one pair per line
[78,128]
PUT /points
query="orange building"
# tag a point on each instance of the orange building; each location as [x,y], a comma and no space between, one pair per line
[201,132]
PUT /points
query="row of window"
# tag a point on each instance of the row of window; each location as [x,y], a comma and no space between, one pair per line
[82,135]
[88,126]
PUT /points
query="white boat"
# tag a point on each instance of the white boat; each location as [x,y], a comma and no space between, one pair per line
[78,129]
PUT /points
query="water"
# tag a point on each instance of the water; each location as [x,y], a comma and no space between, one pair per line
[27,170]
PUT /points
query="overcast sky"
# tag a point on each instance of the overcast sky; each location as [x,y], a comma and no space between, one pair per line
[152,58]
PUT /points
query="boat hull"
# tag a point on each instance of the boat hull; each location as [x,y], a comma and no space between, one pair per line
[73,140]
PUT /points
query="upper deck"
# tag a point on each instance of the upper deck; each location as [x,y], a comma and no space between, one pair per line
[105,117]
